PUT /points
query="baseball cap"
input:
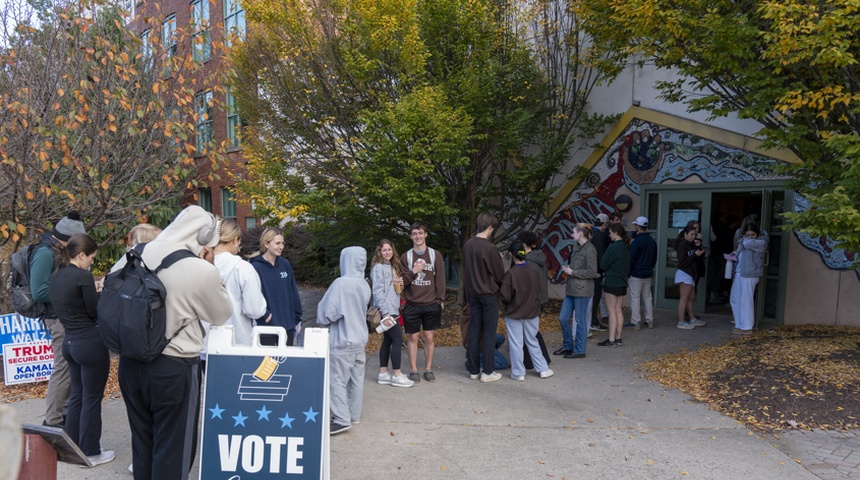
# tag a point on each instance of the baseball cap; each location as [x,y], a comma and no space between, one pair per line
[641,221]
[601,219]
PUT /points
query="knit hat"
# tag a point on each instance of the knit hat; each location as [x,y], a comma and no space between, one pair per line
[69,225]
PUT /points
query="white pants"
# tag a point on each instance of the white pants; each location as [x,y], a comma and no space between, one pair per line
[524,332]
[743,305]
[640,288]
[346,387]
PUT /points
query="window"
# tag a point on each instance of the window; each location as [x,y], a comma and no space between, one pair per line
[200,24]
[250,222]
[203,122]
[128,6]
[204,196]
[168,35]
[146,48]
[234,122]
[228,203]
[234,21]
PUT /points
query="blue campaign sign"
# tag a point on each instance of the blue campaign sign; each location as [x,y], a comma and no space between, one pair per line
[265,411]
[17,329]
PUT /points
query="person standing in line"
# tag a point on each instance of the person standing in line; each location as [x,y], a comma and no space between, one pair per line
[579,290]
[536,258]
[41,268]
[75,300]
[343,309]
[242,283]
[520,292]
[279,287]
[424,291]
[686,276]
[386,283]
[643,259]
[751,247]
[616,265]
[483,271]
[600,240]
[162,397]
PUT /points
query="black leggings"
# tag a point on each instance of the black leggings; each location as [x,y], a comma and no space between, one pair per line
[391,343]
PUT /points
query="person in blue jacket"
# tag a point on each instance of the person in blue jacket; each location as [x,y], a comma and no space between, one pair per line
[279,287]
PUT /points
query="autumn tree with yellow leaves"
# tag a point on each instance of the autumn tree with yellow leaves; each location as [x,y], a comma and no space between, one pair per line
[96,119]
[791,65]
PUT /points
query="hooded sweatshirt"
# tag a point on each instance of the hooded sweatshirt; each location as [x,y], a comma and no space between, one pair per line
[194,288]
[281,292]
[538,259]
[246,295]
[344,306]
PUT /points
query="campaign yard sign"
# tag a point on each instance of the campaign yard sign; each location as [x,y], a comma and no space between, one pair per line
[27,362]
[265,409]
[15,328]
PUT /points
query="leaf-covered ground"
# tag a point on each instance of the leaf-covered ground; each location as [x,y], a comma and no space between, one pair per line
[791,377]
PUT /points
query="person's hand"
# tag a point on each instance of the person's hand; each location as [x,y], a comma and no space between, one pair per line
[567,269]
[418,266]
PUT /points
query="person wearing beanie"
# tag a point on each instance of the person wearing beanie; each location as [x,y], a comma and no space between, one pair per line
[41,267]
[162,397]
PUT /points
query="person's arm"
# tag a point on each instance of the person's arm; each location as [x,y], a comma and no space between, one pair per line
[327,310]
[506,291]
[497,267]
[439,267]
[297,299]
[377,282]
[87,285]
[758,244]
[254,304]
[40,275]
[608,258]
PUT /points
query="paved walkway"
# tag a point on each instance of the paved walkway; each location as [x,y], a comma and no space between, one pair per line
[596,418]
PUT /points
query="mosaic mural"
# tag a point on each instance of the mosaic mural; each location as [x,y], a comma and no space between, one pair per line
[647,153]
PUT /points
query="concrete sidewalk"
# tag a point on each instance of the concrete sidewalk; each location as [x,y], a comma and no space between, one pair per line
[596,418]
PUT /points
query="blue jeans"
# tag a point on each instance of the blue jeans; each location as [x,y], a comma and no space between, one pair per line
[580,304]
[564,318]
[524,332]
[483,325]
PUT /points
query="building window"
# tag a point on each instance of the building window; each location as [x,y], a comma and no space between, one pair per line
[204,196]
[228,203]
[200,25]
[128,6]
[234,122]
[203,122]
[250,222]
[168,35]
[234,21]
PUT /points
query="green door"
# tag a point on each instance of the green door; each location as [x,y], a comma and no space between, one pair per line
[676,209]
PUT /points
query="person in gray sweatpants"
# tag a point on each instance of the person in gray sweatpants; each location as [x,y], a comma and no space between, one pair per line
[343,309]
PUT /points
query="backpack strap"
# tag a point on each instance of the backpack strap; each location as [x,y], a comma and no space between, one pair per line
[173,258]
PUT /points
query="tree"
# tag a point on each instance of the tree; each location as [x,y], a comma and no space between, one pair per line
[372,114]
[91,118]
[788,64]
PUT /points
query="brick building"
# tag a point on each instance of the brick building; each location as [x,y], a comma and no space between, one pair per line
[206,23]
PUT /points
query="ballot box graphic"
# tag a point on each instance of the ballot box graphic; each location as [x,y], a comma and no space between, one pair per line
[265,408]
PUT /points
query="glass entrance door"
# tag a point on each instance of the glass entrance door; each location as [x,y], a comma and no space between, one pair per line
[677,208]
[770,300]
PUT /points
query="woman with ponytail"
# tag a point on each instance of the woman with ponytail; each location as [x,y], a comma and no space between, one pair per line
[73,295]
[520,293]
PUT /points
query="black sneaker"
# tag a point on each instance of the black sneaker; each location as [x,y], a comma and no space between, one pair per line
[561,351]
[606,343]
[618,342]
[599,328]
[335,428]
[575,355]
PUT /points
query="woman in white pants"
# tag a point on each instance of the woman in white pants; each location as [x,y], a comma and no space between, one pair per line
[751,246]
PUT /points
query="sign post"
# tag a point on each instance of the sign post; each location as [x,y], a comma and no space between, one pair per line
[265,408]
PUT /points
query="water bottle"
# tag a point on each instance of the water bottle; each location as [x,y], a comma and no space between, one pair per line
[387,322]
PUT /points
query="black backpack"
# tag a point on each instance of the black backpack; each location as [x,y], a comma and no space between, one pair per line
[20,294]
[132,314]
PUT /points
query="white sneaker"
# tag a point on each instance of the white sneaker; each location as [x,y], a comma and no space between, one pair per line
[685,326]
[131,467]
[697,323]
[474,376]
[384,378]
[519,378]
[104,457]
[546,373]
[401,381]
[491,377]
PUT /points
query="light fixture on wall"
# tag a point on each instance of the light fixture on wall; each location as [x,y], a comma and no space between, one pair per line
[623,203]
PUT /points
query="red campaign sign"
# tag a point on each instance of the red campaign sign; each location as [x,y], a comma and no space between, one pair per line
[27,362]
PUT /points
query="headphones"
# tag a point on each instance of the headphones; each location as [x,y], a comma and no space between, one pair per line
[206,234]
